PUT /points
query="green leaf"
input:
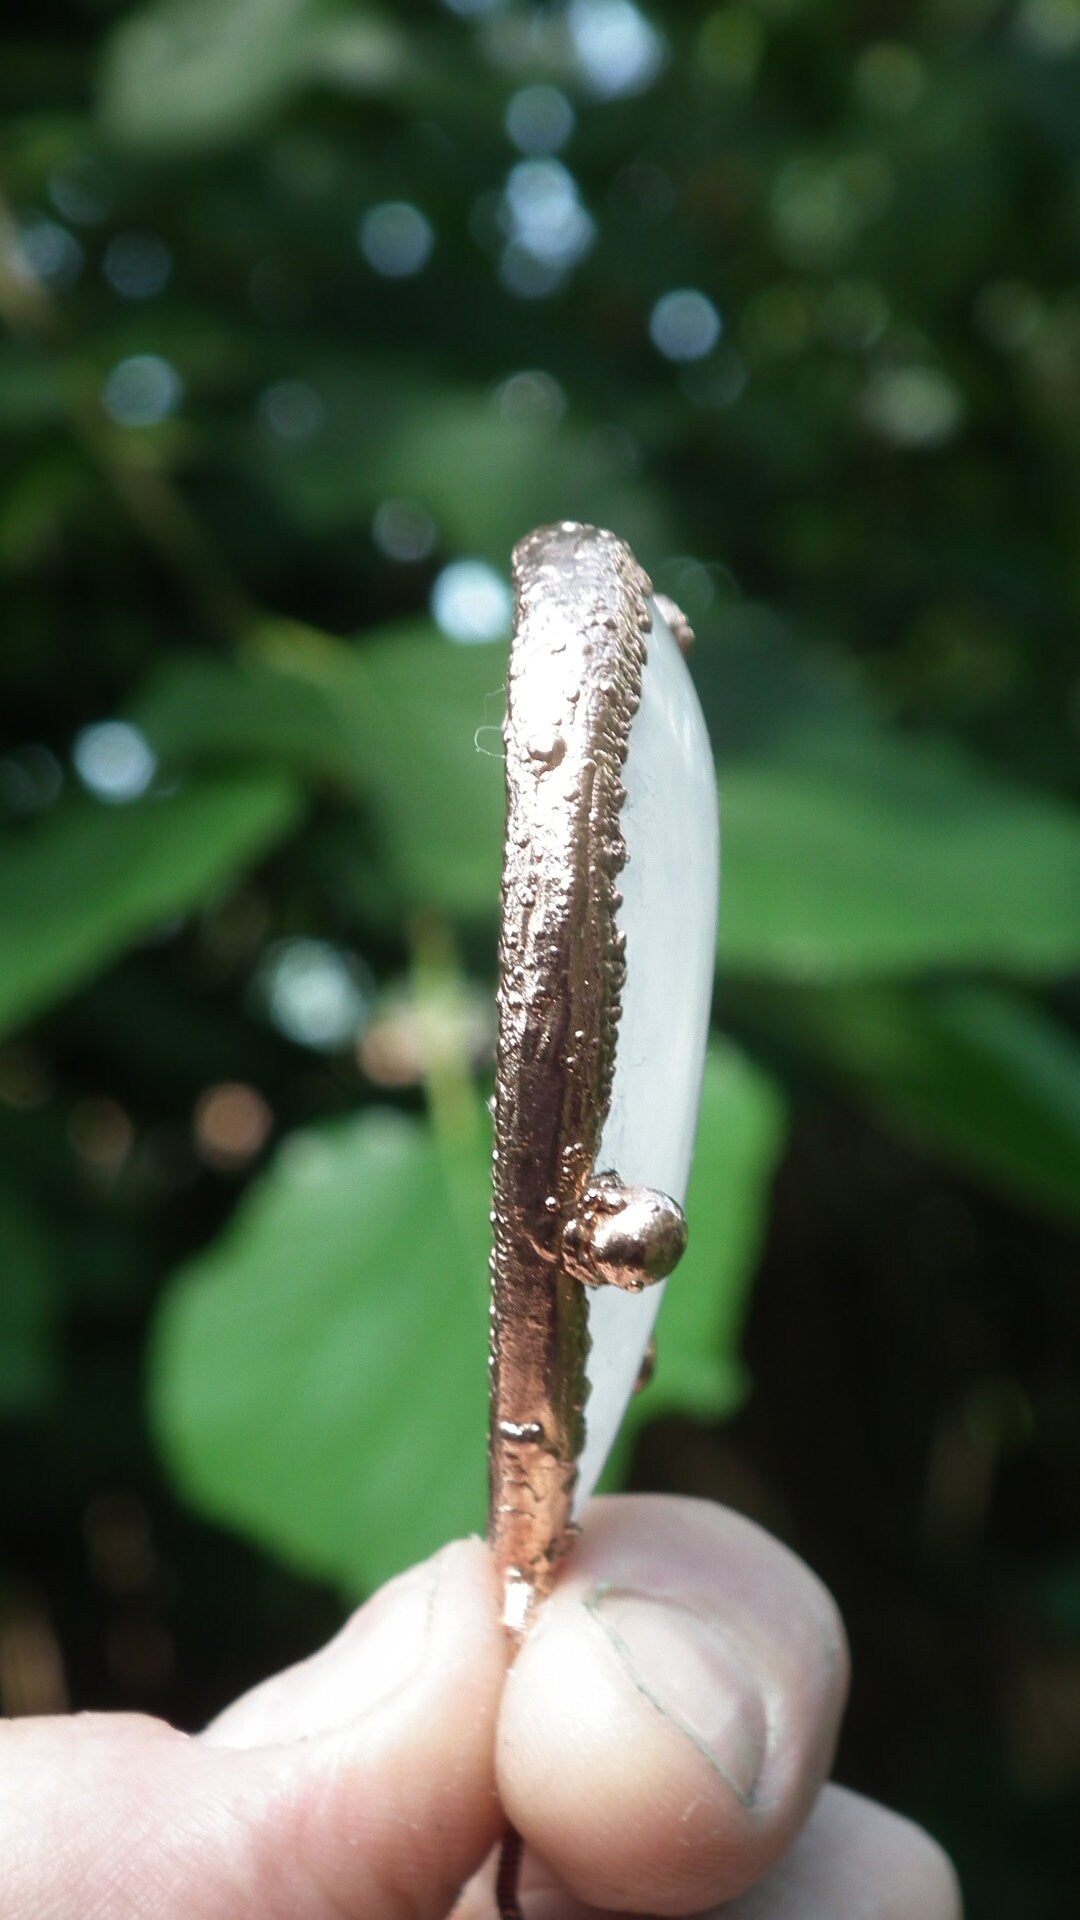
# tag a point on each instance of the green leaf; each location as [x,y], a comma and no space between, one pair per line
[183,75]
[847,851]
[393,430]
[29,1302]
[850,851]
[426,719]
[201,710]
[80,886]
[985,1076]
[319,1375]
[408,723]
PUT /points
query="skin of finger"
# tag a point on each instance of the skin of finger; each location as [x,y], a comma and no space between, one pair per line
[853,1860]
[631,1807]
[368,1661]
[858,1859]
[116,1817]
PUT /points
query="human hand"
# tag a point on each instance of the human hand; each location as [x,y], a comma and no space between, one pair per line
[660,1741]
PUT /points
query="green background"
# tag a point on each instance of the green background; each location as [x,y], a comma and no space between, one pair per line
[247,941]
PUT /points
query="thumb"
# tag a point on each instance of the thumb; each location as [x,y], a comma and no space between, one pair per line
[359,1783]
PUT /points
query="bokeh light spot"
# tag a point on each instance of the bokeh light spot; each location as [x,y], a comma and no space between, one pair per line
[470,602]
[79,190]
[889,77]
[396,239]
[530,395]
[717,381]
[26,1080]
[543,214]
[404,530]
[142,391]
[46,251]
[101,1133]
[1050,27]
[819,207]
[618,51]
[407,1037]
[31,778]
[232,1125]
[917,407]
[526,276]
[539,119]
[690,583]
[137,265]
[114,760]
[315,993]
[291,410]
[684,325]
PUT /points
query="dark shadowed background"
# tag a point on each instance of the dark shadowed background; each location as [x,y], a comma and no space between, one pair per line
[311,311]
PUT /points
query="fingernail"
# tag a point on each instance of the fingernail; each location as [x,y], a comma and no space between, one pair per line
[695,1676]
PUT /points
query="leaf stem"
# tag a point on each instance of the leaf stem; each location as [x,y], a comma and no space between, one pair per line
[453,1102]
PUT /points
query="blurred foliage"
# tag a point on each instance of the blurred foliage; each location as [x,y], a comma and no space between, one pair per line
[307,305]
[264,1386]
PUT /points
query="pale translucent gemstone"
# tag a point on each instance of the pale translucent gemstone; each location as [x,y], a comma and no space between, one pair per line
[669,887]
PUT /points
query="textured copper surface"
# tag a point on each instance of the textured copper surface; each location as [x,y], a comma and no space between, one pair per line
[574,686]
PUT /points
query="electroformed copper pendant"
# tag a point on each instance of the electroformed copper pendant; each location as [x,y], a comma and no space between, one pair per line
[610,880]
